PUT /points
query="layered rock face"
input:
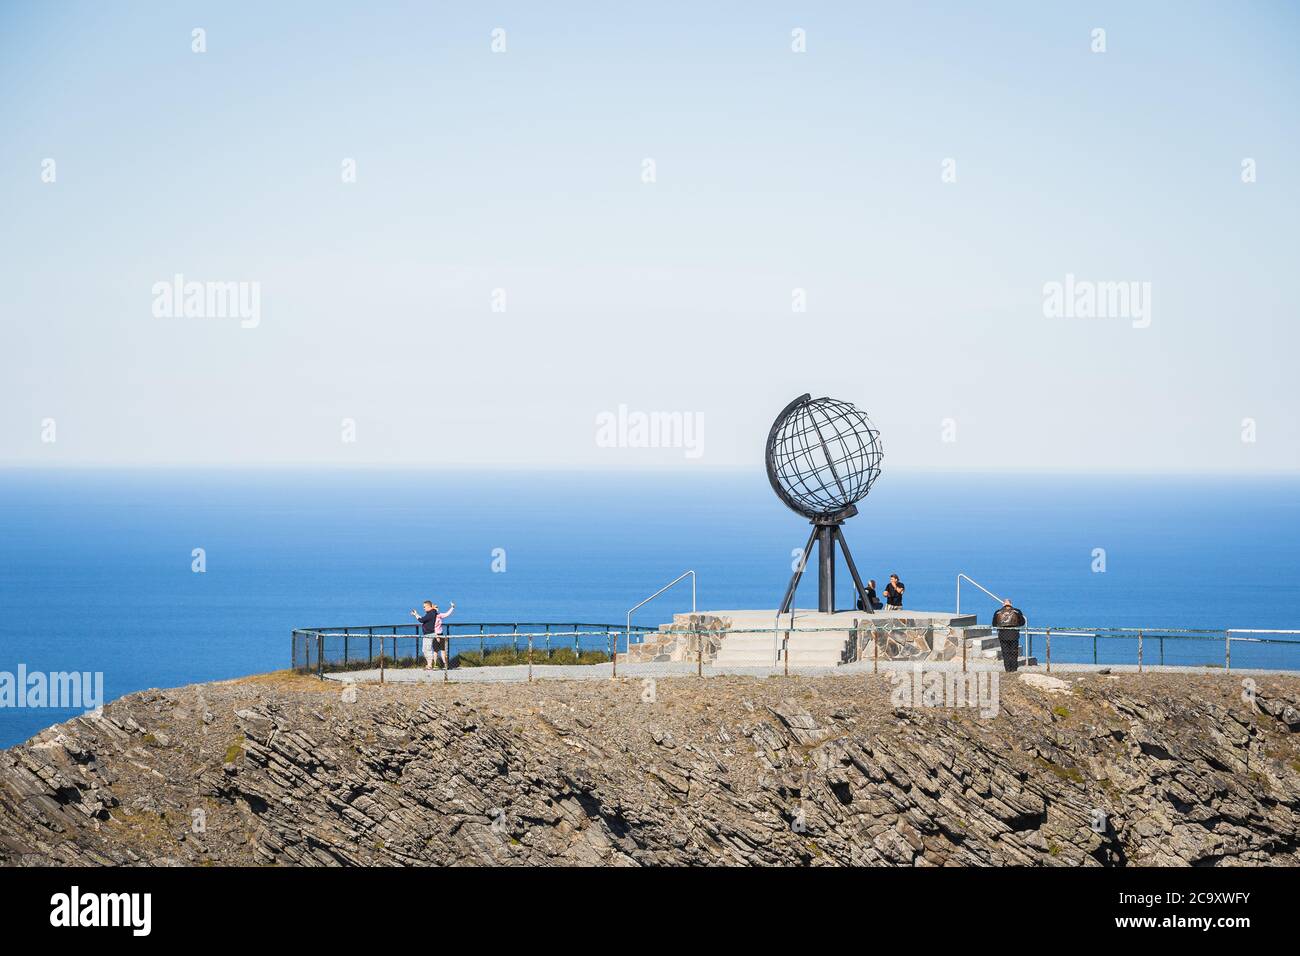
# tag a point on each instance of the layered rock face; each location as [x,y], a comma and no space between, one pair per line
[1086,770]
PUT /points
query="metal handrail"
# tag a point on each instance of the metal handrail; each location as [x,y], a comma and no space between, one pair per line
[451,625]
[1168,631]
[1064,631]
[604,632]
[978,585]
[1229,635]
[684,574]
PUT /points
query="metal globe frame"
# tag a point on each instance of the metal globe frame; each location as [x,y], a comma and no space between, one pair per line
[822,457]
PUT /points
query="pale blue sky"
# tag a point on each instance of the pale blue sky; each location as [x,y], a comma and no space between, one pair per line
[775,171]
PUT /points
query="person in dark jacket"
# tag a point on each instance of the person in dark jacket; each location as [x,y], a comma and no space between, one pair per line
[1008,619]
[872,600]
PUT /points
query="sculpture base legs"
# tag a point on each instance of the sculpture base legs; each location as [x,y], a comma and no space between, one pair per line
[827,535]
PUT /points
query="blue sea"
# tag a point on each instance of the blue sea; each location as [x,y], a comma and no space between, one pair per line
[96,566]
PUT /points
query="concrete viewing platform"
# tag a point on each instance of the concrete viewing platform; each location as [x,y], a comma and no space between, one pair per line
[806,618]
[816,639]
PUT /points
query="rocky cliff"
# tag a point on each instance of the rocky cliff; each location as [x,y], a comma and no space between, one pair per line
[1087,770]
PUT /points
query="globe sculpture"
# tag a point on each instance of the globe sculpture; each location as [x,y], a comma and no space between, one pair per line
[823,456]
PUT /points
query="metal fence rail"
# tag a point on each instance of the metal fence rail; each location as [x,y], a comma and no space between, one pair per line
[369,646]
[1164,646]
[518,644]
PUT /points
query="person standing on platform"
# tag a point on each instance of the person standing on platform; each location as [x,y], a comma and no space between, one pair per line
[434,641]
[1008,619]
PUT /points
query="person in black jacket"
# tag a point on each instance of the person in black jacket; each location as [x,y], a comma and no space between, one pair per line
[894,592]
[872,600]
[1008,619]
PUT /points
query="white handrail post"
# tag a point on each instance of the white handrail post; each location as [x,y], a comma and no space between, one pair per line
[627,634]
[655,595]
[785,642]
[977,584]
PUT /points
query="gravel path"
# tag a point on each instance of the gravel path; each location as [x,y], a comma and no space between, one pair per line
[519,672]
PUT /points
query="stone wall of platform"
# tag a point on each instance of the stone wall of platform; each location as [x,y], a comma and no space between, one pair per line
[680,640]
[903,639]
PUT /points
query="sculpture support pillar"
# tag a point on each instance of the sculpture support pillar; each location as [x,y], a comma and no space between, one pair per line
[826,569]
